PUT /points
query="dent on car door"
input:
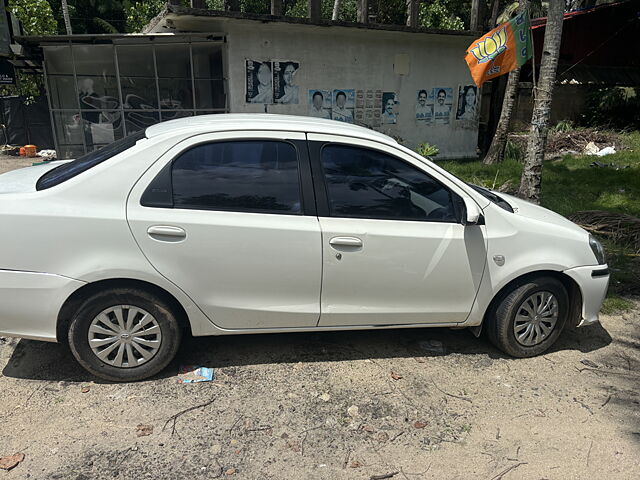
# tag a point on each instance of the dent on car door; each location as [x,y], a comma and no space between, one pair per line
[394,249]
[238,232]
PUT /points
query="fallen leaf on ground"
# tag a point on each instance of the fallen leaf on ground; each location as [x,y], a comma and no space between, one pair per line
[368,428]
[231,471]
[355,464]
[7,463]
[420,424]
[85,389]
[396,376]
[144,430]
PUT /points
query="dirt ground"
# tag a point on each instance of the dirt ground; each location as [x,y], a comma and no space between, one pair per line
[419,404]
[8,162]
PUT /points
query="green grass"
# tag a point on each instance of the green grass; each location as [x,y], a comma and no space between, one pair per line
[614,304]
[570,185]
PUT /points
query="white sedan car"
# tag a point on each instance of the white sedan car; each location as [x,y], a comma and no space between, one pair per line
[228,224]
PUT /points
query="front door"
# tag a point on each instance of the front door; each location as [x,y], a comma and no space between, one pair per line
[235,233]
[394,248]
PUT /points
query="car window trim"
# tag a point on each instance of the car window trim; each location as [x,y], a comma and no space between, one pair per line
[322,192]
[159,191]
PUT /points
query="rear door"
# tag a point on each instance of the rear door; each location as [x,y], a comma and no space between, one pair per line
[394,247]
[229,220]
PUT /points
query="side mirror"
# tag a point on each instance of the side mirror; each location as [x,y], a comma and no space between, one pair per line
[473,214]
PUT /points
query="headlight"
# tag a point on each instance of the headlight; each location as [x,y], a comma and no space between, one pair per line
[597,249]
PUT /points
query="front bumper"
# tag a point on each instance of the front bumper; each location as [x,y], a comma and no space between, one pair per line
[593,282]
[30,302]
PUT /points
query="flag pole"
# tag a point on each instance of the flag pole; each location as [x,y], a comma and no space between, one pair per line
[533,60]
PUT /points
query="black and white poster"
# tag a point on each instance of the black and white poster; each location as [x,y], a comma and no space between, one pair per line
[285,90]
[424,107]
[389,113]
[343,104]
[467,103]
[7,73]
[259,81]
[442,99]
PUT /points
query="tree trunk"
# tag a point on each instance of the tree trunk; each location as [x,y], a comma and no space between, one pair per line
[495,11]
[413,7]
[474,23]
[65,15]
[314,10]
[276,8]
[531,181]
[499,141]
[363,11]
[336,9]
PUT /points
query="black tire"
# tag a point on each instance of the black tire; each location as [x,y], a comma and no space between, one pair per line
[500,321]
[94,305]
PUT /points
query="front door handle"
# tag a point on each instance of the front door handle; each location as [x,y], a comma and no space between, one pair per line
[345,242]
[166,233]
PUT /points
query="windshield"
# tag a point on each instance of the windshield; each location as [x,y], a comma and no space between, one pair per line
[494,198]
[64,172]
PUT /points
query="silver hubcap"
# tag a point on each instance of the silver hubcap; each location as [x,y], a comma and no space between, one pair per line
[536,318]
[125,336]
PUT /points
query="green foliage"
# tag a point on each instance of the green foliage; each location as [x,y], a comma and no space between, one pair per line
[140,13]
[92,16]
[615,107]
[513,151]
[427,150]
[616,305]
[439,14]
[562,126]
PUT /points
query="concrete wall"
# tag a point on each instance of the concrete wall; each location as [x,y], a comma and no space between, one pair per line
[350,58]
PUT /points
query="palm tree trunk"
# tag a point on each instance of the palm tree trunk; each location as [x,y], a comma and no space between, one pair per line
[531,181]
[336,9]
[499,141]
[65,15]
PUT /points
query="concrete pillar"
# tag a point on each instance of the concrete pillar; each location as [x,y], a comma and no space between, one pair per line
[363,11]
[314,10]
[276,7]
[413,8]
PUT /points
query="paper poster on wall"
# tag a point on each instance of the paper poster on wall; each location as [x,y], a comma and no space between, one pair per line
[285,90]
[467,103]
[442,104]
[424,109]
[259,82]
[320,103]
[389,112]
[343,105]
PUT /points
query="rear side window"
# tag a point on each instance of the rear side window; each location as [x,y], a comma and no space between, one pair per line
[250,176]
[89,160]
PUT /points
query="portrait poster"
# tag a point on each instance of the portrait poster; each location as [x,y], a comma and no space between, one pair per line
[467,103]
[388,111]
[259,82]
[343,105]
[285,89]
[320,103]
[442,98]
[424,106]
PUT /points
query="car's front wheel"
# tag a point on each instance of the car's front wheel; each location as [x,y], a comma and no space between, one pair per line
[124,335]
[527,319]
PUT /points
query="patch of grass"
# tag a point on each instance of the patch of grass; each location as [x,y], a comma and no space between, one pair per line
[614,305]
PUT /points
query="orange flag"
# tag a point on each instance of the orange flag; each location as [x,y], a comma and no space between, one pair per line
[501,50]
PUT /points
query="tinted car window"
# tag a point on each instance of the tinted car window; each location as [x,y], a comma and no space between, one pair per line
[69,170]
[369,184]
[255,176]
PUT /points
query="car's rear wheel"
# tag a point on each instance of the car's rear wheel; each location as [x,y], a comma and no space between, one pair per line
[527,319]
[124,335]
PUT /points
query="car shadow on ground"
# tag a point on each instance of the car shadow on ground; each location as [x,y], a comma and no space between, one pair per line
[53,362]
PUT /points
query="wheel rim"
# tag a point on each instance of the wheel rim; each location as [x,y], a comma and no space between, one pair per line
[125,336]
[536,318]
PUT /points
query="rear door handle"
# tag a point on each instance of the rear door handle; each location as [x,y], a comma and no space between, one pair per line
[345,242]
[166,232]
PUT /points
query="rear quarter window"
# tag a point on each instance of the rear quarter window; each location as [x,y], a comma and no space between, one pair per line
[89,160]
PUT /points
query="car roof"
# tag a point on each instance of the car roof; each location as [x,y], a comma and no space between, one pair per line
[264,121]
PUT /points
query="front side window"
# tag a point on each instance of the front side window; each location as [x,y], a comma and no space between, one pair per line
[363,183]
[250,176]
